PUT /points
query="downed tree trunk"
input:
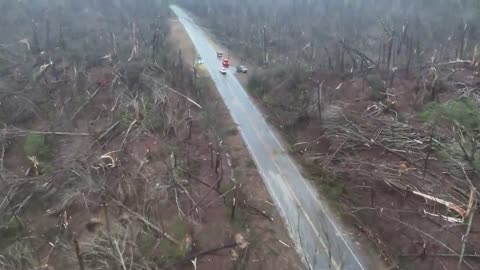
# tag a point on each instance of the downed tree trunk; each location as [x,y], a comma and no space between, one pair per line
[452,206]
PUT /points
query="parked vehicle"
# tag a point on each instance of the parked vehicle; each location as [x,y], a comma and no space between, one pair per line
[241,69]
[225,63]
[219,54]
[223,70]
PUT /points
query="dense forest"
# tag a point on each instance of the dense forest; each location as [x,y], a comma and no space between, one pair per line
[379,101]
[114,154]
[332,33]
[117,152]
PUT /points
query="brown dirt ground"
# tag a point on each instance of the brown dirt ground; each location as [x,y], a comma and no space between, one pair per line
[379,212]
[381,233]
[361,238]
[210,224]
[211,228]
[252,188]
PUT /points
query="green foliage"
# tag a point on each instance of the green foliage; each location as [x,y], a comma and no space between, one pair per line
[178,229]
[268,100]
[332,187]
[46,108]
[450,151]
[16,249]
[255,85]
[208,120]
[377,86]
[463,113]
[203,84]
[10,231]
[430,21]
[171,148]
[170,252]
[429,111]
[297,75]
[226,186]
[149,116]
[463,117]
[20,255]
[251,163]
[36,145]
[152,119]
[231,131]
[240,220]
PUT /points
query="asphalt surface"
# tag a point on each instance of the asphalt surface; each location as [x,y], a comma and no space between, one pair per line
[317,234]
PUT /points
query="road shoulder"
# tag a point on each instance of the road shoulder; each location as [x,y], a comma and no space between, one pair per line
[275,249]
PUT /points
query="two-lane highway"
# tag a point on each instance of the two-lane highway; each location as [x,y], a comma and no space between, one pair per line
[319,238]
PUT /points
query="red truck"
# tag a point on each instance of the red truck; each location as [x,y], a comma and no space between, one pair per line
[225,63]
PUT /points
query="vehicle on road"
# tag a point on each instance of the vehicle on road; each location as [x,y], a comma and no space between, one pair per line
[226,63]
[300,204]
[199,60]
[241,69]
[219,54]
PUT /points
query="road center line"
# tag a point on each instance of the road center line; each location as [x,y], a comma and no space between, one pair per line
[263,142]
[289,187]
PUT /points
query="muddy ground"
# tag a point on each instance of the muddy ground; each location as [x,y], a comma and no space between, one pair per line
[112,167]
[366,152]
[243,171]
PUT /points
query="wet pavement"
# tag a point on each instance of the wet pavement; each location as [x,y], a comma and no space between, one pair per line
[317,234]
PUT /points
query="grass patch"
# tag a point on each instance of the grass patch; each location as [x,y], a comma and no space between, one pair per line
[178,229]
[36,145]
[268,100]
[428,111]
[203,84]
[240,219]
[226,186]
[170,252]
[210,119]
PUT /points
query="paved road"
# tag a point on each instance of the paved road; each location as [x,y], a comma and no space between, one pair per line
[317,235]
